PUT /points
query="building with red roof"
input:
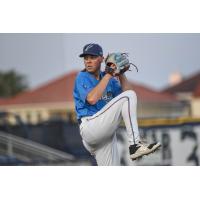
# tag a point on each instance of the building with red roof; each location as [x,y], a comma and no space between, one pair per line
[188,90]
[187,85]
[55,99]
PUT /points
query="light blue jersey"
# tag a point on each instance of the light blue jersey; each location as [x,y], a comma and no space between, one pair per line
[84,83]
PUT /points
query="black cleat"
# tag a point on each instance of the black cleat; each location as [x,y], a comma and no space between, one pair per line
[138,150]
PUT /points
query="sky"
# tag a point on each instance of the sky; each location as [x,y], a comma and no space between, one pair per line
[44,57]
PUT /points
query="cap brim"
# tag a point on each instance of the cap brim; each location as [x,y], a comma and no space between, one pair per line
[84,54]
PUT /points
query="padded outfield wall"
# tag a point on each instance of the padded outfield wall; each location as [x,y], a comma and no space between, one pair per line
[180,139]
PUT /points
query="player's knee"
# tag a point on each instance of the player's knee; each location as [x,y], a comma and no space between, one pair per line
[130,94]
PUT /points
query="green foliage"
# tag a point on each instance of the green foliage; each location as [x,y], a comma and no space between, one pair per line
[12,83]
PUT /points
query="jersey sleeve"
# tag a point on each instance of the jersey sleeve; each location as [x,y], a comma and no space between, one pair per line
[83,87]
[117,89]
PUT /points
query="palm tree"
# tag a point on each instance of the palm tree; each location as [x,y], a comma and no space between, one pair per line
[12,83]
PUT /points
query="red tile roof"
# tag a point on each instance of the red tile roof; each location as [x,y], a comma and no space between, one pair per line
[187,85]
[146,94]
[3,101]
[58,90]
[197,91]
[61,90]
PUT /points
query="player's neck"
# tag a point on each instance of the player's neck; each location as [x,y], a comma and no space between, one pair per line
[97,75]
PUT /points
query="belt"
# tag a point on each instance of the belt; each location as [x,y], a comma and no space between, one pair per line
[79,121]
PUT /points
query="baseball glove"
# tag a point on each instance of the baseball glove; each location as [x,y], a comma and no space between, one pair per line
[117,63]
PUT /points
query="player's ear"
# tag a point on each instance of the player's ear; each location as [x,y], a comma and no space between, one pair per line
[102,59]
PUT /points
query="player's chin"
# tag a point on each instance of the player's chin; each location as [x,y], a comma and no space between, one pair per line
[90,69]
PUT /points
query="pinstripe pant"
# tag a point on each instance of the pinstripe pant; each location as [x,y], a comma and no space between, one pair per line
[98,132]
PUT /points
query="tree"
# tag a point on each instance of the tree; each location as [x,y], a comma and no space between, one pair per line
[12,83]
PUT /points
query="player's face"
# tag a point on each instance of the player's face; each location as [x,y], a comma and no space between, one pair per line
[92,63]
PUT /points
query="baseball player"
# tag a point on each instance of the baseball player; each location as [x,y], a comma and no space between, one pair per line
[102,100]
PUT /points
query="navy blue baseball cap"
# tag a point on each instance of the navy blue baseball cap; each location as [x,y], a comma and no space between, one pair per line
[92,49]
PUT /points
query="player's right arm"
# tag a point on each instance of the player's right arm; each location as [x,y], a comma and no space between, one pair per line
[124,82]
[95,94]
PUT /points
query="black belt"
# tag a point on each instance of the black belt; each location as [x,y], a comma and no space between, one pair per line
[79,121]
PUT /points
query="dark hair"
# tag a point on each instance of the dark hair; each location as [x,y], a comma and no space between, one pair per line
[83,70]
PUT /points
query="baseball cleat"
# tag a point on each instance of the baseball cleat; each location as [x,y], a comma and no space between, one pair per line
[138,150]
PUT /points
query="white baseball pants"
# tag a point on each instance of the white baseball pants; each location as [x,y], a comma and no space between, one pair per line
[98,132]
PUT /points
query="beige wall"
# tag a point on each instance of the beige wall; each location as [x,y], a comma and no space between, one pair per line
[38,112]
[195,107]
[42,112]
[162,110]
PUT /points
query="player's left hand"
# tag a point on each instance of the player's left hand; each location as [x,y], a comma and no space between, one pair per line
[111,69]
[117,63]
